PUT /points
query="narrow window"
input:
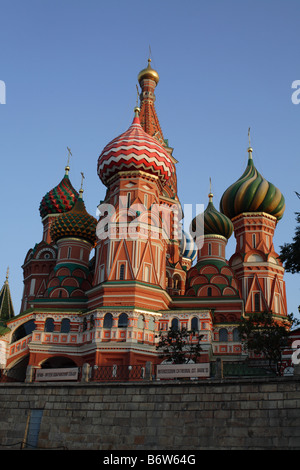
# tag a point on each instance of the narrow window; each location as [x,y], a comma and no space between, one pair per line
[146,200]
[209,292]
[108,321]
[49,325]
[122,272]
[223,334]
[175,324]
[241,241]
[209,249]
[65,325]
[195,324]
[123,320]
[102,270]
[69,252]
[256,302]
[147,273]
[254,240]
[236,335]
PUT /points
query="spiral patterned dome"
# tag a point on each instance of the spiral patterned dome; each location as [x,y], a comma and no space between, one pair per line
[252,193]
[215,223]
[188,248]
[134,150]
[60,199]
[75,223]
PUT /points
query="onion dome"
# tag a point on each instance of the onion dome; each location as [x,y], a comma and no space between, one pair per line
[60,199]
[215,223]
[252,193]
[75,223]
[148,73]
[134,150]
[188,248]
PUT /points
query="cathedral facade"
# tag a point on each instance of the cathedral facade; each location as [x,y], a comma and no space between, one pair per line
[146,274]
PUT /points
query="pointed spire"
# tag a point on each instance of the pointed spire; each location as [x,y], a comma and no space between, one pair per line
[6,305]
[148,79]
[250,149]
[210,196]
[67,168]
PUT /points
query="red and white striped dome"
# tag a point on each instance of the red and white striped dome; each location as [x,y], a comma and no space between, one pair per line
[134,150]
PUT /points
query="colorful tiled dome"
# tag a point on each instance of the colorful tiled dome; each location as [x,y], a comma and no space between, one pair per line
[215,223]
[134,150]
[75,223]
[188,248]
[60,199]
[252,193]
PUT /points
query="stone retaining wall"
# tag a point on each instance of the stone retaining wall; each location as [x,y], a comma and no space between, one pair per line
[225,414]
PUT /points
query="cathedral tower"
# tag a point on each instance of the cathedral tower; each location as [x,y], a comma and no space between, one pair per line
[255,206]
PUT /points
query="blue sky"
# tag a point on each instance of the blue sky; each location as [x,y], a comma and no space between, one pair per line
[70,68]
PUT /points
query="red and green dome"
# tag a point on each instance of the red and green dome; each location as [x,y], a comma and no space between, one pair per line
[215,223]
[134,150]
[60,199]
[75,223]
[252,193]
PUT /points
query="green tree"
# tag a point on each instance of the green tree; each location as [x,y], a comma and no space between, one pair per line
[179,346]
[265,335]
[290,252]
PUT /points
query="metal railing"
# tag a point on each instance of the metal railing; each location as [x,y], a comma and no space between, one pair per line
[117,373]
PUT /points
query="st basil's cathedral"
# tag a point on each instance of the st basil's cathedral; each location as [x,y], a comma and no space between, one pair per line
[98,292]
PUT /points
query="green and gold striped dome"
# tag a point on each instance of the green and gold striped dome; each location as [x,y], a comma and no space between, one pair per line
[215,223]
[75,223]
[252,193]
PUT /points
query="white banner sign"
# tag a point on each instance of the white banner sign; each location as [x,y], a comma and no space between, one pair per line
[50,375]
[174,371]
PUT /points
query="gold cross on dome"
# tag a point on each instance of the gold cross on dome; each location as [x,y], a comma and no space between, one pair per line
[82,178]
[69,155]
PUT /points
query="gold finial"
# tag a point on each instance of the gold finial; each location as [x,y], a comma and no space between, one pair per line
[68,161]
[81,187]
[7,274]
[210,193]
[137,109]
[250,149]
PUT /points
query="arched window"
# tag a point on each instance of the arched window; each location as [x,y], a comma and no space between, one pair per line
[236,335]
[49,325]
[223,334]
[175,324]
[108,321]
[209,292]
[151,324]
[65,325]
[195,324]
[123,320]
[122,272]
[84,326]
[92,322]
[141,322]
[256,302]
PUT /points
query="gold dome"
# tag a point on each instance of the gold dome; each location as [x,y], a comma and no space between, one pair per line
[149,73]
